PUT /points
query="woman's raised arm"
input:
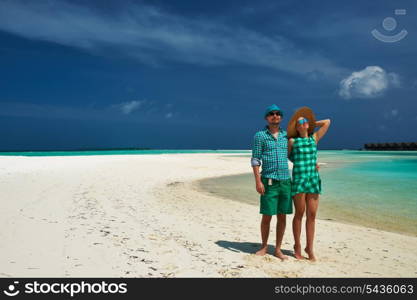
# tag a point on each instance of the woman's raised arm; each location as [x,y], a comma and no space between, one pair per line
[324,126]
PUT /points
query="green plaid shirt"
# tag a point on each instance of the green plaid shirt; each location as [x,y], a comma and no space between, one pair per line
[271,153]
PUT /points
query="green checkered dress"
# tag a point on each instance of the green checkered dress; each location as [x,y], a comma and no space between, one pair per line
[305,177]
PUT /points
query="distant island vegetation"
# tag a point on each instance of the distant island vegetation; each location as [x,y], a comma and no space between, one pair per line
[391,146]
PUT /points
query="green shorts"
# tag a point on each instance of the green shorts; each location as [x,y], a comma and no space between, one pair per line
[277,197]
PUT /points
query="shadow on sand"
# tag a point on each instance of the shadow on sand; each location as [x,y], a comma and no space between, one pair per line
[250,248]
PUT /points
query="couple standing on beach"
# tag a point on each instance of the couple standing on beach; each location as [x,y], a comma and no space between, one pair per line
[272,147]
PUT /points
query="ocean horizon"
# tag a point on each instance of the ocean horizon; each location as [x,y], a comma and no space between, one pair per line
[115,152]
[139,151]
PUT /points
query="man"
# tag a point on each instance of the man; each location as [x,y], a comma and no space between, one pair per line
[274,181]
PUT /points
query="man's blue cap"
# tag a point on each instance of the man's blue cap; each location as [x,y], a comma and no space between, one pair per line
[272,108]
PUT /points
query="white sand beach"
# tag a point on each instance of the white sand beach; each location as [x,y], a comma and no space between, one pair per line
[142,216]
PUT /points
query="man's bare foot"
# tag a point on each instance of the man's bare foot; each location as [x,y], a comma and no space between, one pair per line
[297,252]
[310,253]
[278,253]
[262,251]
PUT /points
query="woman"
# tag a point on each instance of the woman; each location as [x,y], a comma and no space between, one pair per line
[306,182]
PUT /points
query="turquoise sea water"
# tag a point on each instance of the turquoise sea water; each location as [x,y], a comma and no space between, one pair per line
[113,152]
[371,188]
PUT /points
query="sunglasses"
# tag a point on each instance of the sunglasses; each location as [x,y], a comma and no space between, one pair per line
[302,121]
[277,113]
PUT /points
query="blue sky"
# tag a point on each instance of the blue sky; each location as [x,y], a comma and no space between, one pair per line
[199,74]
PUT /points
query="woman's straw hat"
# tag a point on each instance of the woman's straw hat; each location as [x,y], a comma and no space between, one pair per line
[305,112]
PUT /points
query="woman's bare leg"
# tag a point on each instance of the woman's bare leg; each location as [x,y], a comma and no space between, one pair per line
[312,203]
[299,204]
